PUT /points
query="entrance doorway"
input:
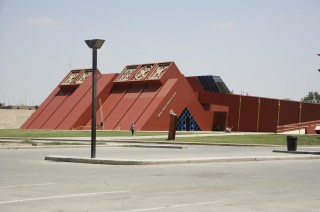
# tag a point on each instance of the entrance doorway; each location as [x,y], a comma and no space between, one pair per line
[187,123]
[219,121]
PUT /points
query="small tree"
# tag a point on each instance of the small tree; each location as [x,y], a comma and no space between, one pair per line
[312,97]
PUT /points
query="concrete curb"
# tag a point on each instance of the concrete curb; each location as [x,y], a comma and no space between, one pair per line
[297,152]
[42,147]
[139,141]
[149,146]
[170,161]
[88,145]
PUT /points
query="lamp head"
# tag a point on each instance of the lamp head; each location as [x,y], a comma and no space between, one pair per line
[94,43]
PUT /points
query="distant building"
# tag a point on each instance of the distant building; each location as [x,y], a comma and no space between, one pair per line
[145,94]
[12,117]
[19,107]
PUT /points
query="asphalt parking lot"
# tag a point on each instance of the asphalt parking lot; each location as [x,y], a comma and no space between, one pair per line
[29,183]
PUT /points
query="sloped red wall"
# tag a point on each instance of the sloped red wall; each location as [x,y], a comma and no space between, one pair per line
[149,120]
[81,112]
[112,122]
[111,102]
[50,109]
[40,109]
[67,106]
[139,106]
[203,118]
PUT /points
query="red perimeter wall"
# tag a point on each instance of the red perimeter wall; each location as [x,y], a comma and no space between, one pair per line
[247,114]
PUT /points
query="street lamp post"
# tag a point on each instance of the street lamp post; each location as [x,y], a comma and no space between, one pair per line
[94,44]
[318,69]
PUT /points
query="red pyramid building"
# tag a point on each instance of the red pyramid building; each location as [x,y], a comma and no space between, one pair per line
[146,93]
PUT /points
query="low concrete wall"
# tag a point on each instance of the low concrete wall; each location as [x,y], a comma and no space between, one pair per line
[13,118]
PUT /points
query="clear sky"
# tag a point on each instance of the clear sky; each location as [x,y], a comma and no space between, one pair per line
[264,47]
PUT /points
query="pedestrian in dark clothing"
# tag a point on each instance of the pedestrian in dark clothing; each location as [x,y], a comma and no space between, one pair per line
[132,128]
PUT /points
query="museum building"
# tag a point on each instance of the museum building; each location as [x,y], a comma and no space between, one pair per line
[145,94]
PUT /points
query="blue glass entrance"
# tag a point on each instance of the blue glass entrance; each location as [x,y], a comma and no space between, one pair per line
[186,122]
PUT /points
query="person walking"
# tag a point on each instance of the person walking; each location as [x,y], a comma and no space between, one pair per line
[132,128]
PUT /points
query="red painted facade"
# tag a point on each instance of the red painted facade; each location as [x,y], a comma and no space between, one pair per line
[146,93]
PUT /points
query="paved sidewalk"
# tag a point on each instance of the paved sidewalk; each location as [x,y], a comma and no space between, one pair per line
[144,154]
[134,151]
[135,138]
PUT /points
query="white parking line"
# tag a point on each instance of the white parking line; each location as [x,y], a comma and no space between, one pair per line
[29,185]
[172,206]
[62,196]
